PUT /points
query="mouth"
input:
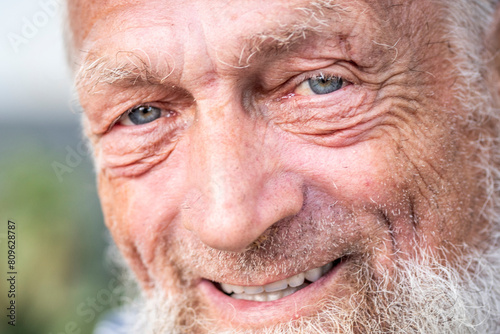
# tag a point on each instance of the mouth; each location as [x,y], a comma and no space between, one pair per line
[278,301]
[279,289]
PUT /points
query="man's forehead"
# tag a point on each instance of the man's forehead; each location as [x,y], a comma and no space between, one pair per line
[212,15]
[84,14]
[234,31]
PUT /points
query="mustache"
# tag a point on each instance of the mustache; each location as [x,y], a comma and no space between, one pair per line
[289,245]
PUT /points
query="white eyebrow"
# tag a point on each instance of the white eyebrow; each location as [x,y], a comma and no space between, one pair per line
[127,67]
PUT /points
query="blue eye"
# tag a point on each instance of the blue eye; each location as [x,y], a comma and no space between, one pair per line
[320,85]
[325,85]
[142,115]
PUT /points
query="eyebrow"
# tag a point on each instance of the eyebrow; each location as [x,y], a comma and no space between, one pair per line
[129,68]
[314,21]
[126,68]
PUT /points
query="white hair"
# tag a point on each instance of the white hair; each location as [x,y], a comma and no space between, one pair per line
[467,24]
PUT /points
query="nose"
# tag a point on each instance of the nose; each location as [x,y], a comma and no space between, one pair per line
[238,187]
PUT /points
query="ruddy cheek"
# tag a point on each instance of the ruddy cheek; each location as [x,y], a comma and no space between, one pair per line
[127,228]
[130,217]
[151,206]
[360,173]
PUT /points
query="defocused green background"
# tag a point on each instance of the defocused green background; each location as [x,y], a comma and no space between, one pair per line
[47,183]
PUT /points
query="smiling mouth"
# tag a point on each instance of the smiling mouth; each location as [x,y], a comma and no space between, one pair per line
[279,289]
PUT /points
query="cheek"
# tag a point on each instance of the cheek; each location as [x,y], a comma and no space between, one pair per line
[139,211]
[368,179]
[360,175]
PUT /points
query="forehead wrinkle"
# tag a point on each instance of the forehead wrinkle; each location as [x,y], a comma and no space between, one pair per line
[134,67]
[313,19]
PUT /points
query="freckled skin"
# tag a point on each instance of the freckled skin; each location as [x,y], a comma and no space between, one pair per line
[376,167]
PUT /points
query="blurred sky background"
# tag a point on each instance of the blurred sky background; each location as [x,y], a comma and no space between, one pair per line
[35,81]
[64,284]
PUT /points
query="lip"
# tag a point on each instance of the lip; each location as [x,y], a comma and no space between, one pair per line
[245,314]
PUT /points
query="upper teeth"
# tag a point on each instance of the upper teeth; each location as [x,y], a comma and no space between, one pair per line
[278,289]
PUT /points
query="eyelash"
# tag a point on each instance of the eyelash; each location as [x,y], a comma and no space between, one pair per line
[318,75]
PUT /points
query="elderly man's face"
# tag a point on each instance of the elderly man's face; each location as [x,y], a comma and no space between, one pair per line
[254,155]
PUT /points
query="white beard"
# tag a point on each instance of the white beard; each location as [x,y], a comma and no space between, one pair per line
[425,297]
